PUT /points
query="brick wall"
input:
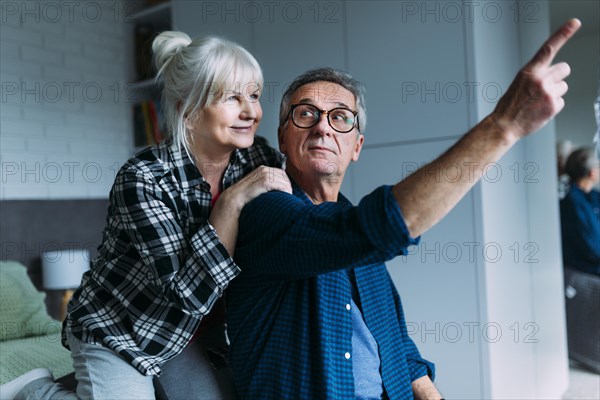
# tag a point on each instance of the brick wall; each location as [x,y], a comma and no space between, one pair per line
[65,124]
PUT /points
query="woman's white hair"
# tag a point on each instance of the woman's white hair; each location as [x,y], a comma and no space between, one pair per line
[195,73]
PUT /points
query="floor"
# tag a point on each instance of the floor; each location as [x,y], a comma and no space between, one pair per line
[584,384]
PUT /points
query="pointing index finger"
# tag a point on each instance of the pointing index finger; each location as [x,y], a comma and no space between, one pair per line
[548,51]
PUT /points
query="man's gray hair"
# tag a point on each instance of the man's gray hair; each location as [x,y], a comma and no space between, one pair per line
[580,163]
[326,75]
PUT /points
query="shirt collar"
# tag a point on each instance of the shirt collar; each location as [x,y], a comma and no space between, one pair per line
[188,172]
[240,156]
[298,192]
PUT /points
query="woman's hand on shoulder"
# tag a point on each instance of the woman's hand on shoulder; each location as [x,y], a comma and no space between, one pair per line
[224,215]
[263,179]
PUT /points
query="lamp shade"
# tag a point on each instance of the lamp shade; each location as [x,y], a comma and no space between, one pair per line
[63,269]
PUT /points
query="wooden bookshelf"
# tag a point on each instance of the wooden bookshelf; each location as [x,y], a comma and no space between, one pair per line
[144,22]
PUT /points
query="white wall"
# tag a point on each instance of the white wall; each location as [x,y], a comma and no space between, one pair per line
[520,216]
[65,124]
[576,122]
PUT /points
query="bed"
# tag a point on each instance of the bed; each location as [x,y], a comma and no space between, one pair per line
[29,337]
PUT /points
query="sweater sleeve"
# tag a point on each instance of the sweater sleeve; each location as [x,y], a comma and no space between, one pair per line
[282,237]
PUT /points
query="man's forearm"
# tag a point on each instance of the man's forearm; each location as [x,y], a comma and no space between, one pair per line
[424,389]
[427,195]
[533,98]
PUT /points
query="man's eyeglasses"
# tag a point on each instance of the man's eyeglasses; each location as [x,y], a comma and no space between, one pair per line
[341,119]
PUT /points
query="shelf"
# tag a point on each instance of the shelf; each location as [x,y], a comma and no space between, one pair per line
[143,90]
[158,15]
[137,149]
[144,23]
[143,85]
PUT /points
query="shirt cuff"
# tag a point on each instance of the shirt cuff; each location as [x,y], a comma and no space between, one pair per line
[419,368]
[219,265]
[382,220]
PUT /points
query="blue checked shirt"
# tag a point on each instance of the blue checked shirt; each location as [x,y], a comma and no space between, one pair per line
[289,319]
[580,229]
[161,266]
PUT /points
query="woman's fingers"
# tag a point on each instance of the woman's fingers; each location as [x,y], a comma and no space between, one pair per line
[263,179]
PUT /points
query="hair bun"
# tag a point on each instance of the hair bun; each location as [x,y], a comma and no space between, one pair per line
[166,45]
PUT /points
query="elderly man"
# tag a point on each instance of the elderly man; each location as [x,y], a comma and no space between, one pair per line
[580,213]
[314,313]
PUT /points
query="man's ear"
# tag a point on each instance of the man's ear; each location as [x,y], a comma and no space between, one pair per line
[281,139]
[358,146]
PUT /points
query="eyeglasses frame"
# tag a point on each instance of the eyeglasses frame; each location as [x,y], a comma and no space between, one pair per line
[324,112]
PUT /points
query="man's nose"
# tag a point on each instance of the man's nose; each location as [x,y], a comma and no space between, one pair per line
[322,127]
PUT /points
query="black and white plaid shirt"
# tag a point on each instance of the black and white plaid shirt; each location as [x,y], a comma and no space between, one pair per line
[161,266]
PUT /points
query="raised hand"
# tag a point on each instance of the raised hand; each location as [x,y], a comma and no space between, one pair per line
[535,96]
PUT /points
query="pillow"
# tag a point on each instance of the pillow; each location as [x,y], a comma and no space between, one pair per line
[22,308]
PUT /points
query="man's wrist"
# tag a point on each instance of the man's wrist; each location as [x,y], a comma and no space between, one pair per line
[503,129]
[424,389]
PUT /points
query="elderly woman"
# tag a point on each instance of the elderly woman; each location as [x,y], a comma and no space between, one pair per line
[580,213]
[166,254]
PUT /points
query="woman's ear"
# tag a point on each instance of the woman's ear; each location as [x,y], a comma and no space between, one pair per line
[189,121]
[191,118]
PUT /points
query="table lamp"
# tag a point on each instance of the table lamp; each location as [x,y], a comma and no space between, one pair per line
[62,270]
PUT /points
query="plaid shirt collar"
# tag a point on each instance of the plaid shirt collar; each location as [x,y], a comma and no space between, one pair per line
[183,166]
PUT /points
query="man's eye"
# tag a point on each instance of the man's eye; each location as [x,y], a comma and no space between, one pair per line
[255,96]
[307,114]
[342,116]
